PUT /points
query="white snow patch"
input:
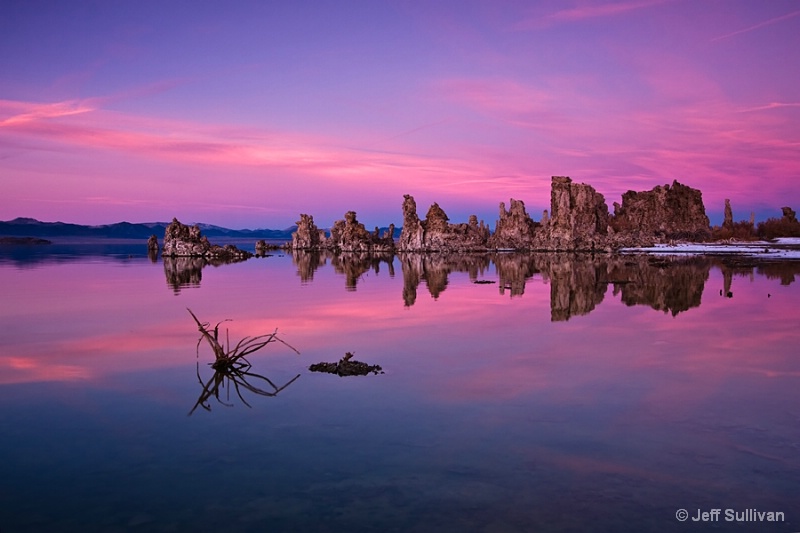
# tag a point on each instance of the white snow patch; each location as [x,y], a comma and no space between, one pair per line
[757,249]
[790,241]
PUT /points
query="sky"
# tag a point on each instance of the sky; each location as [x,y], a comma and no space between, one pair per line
[245,114]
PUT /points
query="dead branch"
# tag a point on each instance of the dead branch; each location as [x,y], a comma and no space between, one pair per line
[231,367]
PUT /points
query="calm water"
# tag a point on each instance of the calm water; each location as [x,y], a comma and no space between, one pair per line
[561,393]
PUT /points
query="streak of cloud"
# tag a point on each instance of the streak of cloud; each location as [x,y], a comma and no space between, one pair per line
[79,126]
[21,112]
[771,105]
[757,26]
[585,12]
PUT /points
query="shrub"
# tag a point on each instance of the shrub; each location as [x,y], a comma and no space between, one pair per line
[740,231]
[778,227]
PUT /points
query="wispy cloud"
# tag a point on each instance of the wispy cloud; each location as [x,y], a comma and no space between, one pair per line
[583,12]
[771,105]
[601,10]
[78,125]
[757,26]
[17,113]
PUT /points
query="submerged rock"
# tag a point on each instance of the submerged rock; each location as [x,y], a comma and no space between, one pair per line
[346,367]
[262,247]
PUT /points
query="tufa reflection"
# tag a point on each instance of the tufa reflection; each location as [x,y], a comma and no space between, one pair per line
[186,272]
[354,265]
[435,269]
[578,282]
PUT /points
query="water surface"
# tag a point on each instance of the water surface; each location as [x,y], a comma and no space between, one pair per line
[558,393]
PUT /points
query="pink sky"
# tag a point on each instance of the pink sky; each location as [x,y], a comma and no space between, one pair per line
[248,115]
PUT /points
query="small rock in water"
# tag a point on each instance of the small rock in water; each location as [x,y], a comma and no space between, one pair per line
[346,367]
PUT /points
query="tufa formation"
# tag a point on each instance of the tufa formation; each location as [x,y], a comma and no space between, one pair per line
[348,235]
[665,212]
[181,240]
[578,220]
[436,234]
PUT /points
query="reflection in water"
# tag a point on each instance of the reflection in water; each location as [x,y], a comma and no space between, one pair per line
[435,269]
[779,271]
[513,270]
[354,265]
[183,272]
[235,377]
[186,272]
[412,273]
[578,282]
[672,285]
[308,263]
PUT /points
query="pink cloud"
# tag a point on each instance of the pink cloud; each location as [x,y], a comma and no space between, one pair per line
[16,114]
[771,105]
[686,130]
[219,145]
[488,139]
[321,162]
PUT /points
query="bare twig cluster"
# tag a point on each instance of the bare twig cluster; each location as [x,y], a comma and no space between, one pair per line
[231,366]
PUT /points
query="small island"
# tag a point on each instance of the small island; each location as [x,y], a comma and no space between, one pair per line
[181,240]
[25,241]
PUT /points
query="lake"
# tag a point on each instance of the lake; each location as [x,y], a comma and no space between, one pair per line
[519,393]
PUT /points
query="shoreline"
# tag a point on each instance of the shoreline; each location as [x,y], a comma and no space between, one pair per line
[787,248]
[782,248]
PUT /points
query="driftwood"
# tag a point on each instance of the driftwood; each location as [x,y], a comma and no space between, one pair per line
[346,367]
[231,367]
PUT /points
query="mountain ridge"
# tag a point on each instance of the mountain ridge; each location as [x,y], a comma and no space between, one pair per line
[31,227]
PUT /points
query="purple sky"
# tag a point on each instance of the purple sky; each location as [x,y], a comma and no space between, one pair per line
[246,114]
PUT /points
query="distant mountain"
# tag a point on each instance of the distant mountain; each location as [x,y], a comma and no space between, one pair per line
[30,227]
